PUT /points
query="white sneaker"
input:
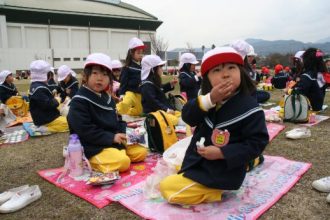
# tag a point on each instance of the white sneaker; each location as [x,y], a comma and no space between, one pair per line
[21,199]
[328,198]
[322,185]
[5,196]
[298,133]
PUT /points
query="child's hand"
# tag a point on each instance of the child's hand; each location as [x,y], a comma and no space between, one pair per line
[67,91]
[170,111]
[221,91]
[120,138]
[210,152]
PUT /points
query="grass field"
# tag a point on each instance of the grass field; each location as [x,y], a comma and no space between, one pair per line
[20,163]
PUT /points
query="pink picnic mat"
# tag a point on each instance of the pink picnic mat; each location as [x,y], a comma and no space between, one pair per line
[318,119]
[274,129]
[97,194]
[261,189]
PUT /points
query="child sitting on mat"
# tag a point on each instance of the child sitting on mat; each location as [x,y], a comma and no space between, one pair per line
[233,126]
[43,106]
[93,117]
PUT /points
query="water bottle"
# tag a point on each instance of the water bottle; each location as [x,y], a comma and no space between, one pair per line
[75,151]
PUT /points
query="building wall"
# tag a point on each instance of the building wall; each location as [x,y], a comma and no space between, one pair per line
[20,44]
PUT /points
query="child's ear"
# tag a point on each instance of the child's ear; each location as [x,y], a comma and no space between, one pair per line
[83,79]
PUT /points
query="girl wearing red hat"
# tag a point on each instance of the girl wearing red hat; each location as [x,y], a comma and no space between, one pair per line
[280,78]
[92,116]
[130,80]
[233,126]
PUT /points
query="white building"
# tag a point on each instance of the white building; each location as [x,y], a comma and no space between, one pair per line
[66,31]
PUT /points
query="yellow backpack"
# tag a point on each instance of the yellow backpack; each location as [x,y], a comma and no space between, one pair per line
[18,106]
[161,132]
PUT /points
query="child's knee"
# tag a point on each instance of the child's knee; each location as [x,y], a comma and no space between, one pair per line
[123,163]
[137,153]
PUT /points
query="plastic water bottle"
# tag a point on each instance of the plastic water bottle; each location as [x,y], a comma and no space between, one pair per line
[75,151]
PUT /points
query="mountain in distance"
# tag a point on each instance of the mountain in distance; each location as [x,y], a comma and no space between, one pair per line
[266,47]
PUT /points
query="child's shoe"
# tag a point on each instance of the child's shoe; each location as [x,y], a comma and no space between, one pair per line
[298,133]
[5,196]
[322,185]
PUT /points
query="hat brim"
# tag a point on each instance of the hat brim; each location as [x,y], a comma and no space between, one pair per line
[221,58]
[143,47]
[94,63]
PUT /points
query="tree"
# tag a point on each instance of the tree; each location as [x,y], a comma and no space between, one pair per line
[158,45]
[213,46]
[190,48]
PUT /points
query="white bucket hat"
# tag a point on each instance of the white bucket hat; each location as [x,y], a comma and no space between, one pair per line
[39,70]
[299,55]
[3,75]
[98,59]
[242,47]
[136,43]
[187,58]
[116,64]
[63,71]
[251,51]
[148,62]
[218,56]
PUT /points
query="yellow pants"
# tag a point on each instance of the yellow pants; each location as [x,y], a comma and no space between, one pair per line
[112,159]
[131,104]
[178,189]
[60,124]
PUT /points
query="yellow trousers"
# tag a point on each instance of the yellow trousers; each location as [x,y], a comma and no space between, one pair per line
[130,105]
[60,124]
[111,159]
[177,189]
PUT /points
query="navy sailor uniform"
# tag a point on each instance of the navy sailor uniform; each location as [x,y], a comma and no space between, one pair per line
[43,106]
[153,97]
[189,84]
[73,85]
[130,79]
[93,117]
[7,91]
[245,120]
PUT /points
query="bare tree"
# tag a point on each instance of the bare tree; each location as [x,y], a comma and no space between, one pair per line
[190,48]
[158,45]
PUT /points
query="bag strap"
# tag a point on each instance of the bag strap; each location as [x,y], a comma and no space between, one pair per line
[149,135]
[162,114]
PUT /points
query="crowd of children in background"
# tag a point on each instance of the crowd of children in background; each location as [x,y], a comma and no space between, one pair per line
[222,103]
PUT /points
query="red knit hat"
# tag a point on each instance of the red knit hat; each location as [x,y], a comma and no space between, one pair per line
[220,55]
[278,68]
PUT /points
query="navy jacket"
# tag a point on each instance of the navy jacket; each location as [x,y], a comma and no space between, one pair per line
[189,84]
[279,80]
[43,106]
[52,85]
[94,119]
[73,85]
[130,79]
[7,91]
[245,120]
[153,97]
[308,86]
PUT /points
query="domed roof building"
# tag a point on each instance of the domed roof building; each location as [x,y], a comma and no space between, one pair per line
[65,32]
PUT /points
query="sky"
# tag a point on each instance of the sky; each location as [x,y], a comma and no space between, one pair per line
[220,22]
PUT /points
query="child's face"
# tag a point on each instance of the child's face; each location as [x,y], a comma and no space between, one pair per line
[67,78]
[10,78]
[137,55]
[192,67]
[225,72]
[250,59]
[116,73]
[160,70]
[98,80]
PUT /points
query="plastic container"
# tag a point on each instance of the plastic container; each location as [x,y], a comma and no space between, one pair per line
[75,151]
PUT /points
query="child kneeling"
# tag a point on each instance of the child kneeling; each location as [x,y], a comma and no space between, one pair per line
[92,116]
[233,126]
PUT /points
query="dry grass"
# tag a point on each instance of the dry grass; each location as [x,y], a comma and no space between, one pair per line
[20,163]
